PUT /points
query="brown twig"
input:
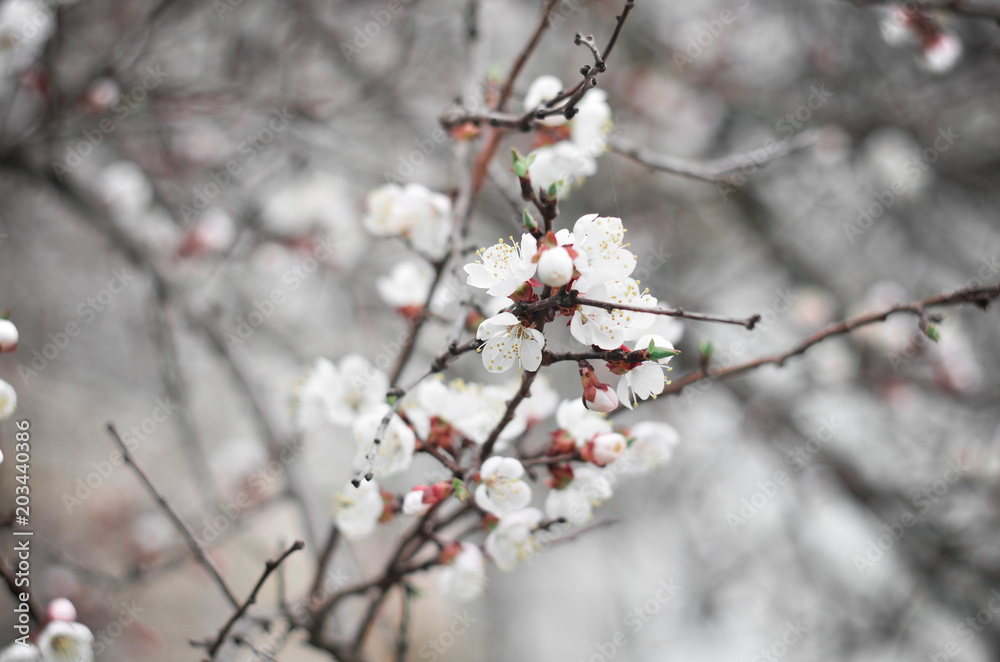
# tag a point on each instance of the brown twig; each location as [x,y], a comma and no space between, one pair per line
[716,170]
[196,548]
[979,296]
[269,567]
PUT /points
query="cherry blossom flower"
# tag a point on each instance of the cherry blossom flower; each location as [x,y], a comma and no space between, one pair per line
[555,267]
[576,502]
[8,336]
[63,639]
[579,422]
[508,342]
[501,490]
[412,212]
[645,380]
[420,498]
[8,400]
[406,288]
[18,652]
[472,409]
[395,453]
[604,328]
[541,90]
[592,123]
[562,162]
[513,539]
[504,267]
[652,446]
[358,509]
[600,239]
[339,394]
[465,577]
[605,448]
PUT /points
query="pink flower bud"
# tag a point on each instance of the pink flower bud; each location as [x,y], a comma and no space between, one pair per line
[61,609]
[942,52]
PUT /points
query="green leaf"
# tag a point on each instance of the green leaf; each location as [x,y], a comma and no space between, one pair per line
[461,493]
[521,163]
[657,353]
[932,332]
[530,224]
[706,348]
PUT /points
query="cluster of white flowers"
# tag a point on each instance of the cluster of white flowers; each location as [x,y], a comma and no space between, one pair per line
[62,639]
[412,212]
[573,157]
[584,274]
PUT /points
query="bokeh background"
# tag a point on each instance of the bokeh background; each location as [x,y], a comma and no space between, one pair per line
[118,121]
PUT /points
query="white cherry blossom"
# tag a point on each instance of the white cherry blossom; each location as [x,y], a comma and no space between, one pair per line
[592,123]
[395,453]
[406,287]
[579,422]
[541,90]
[652,446]
[562,162]
[413,212]
[501,490]
[607,328]
[8,400]
[465,577]
[358,509]
[576,501]
[510,343]
[600,239]
[513,539]
[504,267]
[339,394]
[645,380]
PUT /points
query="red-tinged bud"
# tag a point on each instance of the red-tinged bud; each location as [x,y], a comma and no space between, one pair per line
[560,475]
[562,442]
[411,313]
[465,131]
[524,293]
[438,492]
[597,396]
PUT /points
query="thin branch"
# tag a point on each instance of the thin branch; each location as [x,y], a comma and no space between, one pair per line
[196,548]
[980,296]
[522,58]
[747,323]
[402,642]
[717,170]
[269,567]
